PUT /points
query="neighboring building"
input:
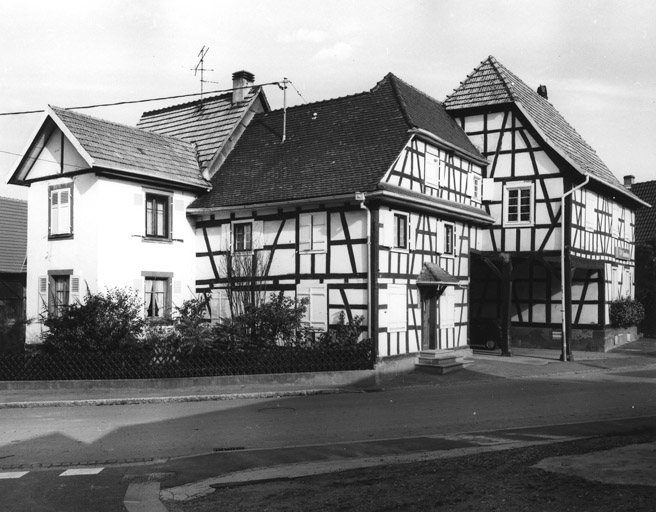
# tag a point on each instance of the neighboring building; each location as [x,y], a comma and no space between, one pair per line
[645,239]
[543,175]
[13,251]
[362,195]
[107,205]
[645,218]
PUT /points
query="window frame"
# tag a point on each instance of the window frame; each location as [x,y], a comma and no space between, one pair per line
[166,200]
[58,217]
[318,240]
[519,188]
[476,185]
[167,279]
[400,242]
[448,233]
[245,242]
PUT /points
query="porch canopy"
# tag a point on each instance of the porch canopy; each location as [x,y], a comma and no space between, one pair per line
[434,276]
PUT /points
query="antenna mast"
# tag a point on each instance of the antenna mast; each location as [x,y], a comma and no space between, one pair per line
[284,107]
[200,68]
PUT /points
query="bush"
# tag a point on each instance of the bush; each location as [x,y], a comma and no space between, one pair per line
[275,322]
[343,333]
[626,313]
[104,322]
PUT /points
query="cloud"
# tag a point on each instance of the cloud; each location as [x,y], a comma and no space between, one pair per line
[338,51]
[303,35]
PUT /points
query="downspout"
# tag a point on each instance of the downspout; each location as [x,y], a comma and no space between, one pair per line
[562,260]
[360,196]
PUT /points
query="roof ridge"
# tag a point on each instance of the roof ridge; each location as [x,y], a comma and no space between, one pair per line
[496,65]
[310,103]
[190,103]
[399,98]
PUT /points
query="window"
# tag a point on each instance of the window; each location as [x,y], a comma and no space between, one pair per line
[60,211]
[519,204]
[58,289]
[316,315]
[158,216]
[312,232]
[400,231]
[157,297]
[243,236]
[448,239]
[476,182]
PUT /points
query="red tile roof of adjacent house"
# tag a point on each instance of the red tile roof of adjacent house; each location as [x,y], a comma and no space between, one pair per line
[332,147]
[122,148]
[491,84]
[206,123]
[645,218]
[13,235]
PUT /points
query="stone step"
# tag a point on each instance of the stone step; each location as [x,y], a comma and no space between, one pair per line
[439,369]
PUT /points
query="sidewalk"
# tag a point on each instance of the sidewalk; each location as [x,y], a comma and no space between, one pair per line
[486,366]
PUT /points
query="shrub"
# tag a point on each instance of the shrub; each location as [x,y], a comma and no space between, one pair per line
[275,322]
[343,333]
[626,312]
[104,322]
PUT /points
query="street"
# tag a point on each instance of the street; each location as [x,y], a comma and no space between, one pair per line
[118,445]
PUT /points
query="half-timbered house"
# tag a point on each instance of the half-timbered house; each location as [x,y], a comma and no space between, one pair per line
[562,240]
[367,205]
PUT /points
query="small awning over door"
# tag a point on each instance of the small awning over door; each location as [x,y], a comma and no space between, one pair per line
[433,275]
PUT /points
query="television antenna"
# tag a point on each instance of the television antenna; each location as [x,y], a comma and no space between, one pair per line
[200,68]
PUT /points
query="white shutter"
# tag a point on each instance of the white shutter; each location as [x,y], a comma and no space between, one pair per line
[447,309]
[590,214]
[411,235]
[386,220]
[43,294]
[64,214]
[432,169]
[615,221]
[397,307]
[319,234]
[219,306]
[225,240]
[258,234]
[304,232]
[487,192]
[317,308]
[74,292]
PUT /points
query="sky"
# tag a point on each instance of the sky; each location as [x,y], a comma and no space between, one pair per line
[597,58]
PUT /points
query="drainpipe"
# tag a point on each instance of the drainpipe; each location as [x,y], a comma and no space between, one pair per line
[562,260]
[360,196]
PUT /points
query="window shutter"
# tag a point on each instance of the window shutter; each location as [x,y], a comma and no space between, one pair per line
[74,295]
[64,211]
[447,309]
[54,213]
[258,234]
[225,237]
[319,235]
[170,226]
[411,235]
[397,308]
[304,232]
[590,215]
[487,193]
[386,220]
[43,293]
[615,221]
[317,309]
[432,169]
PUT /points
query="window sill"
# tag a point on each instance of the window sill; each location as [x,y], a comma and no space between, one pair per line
[156,240]
[323,251]
[60,237]
[400,250]
[518,224]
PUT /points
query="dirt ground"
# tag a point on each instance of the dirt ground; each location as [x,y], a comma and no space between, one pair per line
[494,481]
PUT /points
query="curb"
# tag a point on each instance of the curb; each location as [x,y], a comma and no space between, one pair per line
[170,399]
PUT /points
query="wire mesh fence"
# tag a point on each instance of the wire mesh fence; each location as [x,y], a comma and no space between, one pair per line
[40,365]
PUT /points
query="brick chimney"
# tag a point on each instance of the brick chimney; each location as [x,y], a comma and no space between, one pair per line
[241,80]
[629,180]
[542,91]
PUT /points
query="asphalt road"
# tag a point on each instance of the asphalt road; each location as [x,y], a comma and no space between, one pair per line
[120,445]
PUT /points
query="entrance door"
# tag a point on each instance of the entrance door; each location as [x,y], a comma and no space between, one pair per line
[429,335]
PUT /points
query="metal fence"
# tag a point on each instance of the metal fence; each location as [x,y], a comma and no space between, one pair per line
[96,366]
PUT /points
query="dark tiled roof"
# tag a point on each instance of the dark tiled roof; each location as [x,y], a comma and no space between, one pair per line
[13,235]
[206,124]
[433,274]
[125,148]
[645,221]
[332,147]
[493,84]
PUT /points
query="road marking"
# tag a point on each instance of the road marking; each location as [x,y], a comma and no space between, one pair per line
[13,474]
[81,471]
